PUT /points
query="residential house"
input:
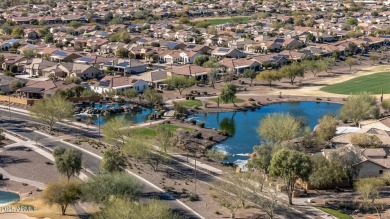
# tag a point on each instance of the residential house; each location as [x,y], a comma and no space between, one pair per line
[5,81]
[35,66]
[7,44]
[124,66]
[221,52]
[63,56]
[238,66]
[271,60]
[43,89]
[118,84]
[189,70]
[154,78]
[65,69]
[12,59]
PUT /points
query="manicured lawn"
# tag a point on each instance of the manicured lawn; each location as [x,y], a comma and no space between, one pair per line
[335,213]
[217,21]
[151,131]
[369,83]
[191,103]
[236,100]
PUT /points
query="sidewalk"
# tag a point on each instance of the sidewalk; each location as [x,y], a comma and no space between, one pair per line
[199,164]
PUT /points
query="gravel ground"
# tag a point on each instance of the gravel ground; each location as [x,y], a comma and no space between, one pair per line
[19,162]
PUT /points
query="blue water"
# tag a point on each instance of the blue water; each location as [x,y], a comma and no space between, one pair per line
[134,118]
[242,125]
[8,197]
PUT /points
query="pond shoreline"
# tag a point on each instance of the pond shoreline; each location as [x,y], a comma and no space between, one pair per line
[266,101]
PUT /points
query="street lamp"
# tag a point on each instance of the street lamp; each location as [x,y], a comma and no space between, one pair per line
[99,125]
[9,105]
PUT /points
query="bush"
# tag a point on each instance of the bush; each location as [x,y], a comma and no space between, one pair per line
[192,121]
[1,176]
[198,135]
[210,138]
[194,197]
[251,99]
[201,124]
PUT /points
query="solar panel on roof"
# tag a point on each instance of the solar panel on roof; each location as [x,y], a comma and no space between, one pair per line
[191,46]
[104,83]
[60,53]
[223,50]
[86,59]
[123,64]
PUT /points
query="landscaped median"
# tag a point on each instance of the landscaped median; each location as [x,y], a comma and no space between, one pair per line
[336,213]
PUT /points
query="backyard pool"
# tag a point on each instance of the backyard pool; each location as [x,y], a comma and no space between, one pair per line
[242,126]
[8,197]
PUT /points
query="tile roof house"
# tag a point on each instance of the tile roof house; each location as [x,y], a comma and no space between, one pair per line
[117,84]
[124,66]
[239,65]
[221,52]
[41,89]
[189,70]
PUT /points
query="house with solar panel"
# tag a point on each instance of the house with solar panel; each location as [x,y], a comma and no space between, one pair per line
[7,44]
[63,56]
[124,66]
[222,52]
[118,83]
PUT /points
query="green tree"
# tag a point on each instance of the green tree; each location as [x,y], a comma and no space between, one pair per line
[115,131]
[347,159]
[62,194]
[165,138]
[17,32]
[14,85]
[113,161]
[279,127]
[212,76]
[52,110]
[228,93]
[386,104]
[325,172]
[359,107]
[270,76]
[368,189]
[141,150]
[152,96]
[29,53]
[201,59]
[261,157]
[290,165]
[250,74]
[130,93]
[122,53]
[326,128]
[122,208]
[101,188]
[350,62]
[180,83]
[292,71]
[365,140]
[68,162]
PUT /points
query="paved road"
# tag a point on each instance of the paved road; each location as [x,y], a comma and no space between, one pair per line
[18,123]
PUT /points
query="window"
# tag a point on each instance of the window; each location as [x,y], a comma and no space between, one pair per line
[380,172]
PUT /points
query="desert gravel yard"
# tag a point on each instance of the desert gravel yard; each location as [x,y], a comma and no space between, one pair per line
[21,162]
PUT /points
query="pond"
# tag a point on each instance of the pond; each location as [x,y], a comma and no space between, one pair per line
[135,117]
[242,126]
[8,197]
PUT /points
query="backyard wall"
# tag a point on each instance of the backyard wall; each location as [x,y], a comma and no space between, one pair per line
[17,100]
